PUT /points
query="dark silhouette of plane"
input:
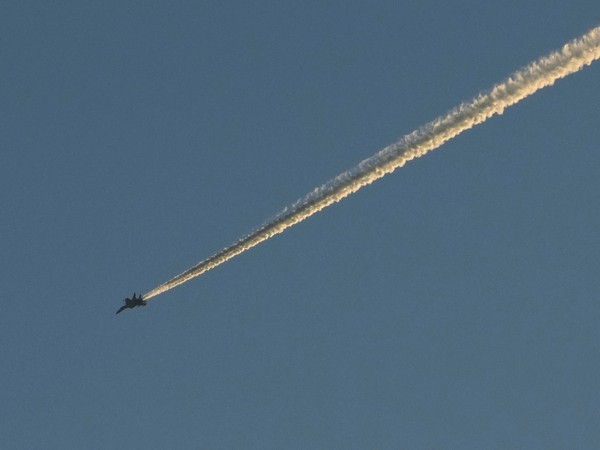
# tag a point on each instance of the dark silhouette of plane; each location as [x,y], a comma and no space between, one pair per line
[132,303]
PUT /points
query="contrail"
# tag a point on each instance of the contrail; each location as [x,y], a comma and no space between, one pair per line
[537,75]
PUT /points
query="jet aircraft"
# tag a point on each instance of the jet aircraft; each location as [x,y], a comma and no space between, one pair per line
[132,303]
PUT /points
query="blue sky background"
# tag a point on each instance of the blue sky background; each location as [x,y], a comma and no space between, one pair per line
[453,304]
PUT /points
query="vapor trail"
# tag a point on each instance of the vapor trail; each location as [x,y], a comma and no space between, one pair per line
[537,75]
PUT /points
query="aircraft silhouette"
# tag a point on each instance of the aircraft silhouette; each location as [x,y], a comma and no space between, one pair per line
[132,303]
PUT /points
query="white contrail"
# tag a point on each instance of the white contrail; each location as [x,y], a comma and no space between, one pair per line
[537,75]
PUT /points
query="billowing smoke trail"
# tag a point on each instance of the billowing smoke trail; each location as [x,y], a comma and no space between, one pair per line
[537,75]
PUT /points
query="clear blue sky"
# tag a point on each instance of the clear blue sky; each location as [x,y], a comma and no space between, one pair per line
[453,304]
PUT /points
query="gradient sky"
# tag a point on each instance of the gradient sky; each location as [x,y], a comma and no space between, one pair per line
[453,304]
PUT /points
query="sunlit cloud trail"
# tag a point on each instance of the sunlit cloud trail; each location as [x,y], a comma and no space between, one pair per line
[537,75]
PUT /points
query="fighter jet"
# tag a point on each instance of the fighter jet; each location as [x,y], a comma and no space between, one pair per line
[132,303]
